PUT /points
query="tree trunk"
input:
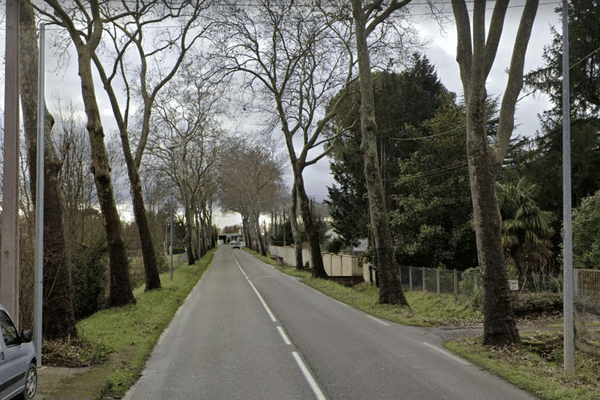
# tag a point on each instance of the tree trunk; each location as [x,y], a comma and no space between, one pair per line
[390,289]
[189,228]
[58,312]
[141,220]
[295,228]
[500,326]
[245,231]
[119,293]
[135,182]
[261,242]
[475,57]
[311,231]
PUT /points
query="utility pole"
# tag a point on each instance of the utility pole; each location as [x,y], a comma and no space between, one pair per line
[38,286]
[9,290]
[569,334]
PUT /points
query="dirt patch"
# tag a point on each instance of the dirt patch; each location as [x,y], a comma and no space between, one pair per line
[72,353]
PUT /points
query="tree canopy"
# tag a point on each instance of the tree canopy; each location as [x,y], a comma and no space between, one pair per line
[403,102]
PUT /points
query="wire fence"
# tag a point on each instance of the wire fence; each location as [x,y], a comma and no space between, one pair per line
[441,281]
[586,284]
[587,290]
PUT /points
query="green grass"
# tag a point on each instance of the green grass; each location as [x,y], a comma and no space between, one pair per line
[426,309]
[535,374]
[129,333]
[535,365]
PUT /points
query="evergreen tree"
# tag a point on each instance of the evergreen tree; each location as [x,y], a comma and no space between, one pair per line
[526,230]
[402,100]
[432,225]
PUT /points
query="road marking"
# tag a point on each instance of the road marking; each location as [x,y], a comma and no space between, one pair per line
[284,336]
[309,378]
[303,368]
[264,303]
[447,354]
[378,320]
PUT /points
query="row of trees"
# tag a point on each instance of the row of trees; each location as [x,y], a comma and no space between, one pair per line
[304,66]
[136,49]
[296,57]
[432,179]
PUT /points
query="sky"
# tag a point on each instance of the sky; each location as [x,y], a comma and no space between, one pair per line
[440,50]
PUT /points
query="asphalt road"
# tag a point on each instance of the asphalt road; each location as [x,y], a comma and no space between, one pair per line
[248,331]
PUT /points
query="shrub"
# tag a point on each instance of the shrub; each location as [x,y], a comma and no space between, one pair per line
[89,278]
[334,246]
[586,228]
[535,304]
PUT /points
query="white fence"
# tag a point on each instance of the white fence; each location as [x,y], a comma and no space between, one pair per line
[339,265]
[288,255]
[587,283]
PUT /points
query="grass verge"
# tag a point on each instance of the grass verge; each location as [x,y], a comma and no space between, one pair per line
[535,365]
[129,333]
[426,309]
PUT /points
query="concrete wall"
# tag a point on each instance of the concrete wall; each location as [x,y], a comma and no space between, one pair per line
[335,264]
[288,254]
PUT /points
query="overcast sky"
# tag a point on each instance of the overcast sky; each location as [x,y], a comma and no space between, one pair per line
[441,51]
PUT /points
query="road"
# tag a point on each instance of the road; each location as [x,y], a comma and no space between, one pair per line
[248,331]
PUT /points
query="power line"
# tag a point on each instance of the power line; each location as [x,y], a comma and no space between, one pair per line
[430,136]
[434,172]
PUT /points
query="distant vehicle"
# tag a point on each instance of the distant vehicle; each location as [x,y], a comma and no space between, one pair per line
[235,244]
[18,374]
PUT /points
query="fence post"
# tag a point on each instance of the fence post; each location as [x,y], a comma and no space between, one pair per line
[437,279]
[455,282]
[423,273]
[575,282]
[410,277]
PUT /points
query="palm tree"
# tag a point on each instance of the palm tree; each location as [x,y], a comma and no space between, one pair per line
[526,230]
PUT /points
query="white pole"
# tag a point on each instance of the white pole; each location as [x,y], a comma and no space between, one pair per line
[569,335]
[39,205]
[9,288]
[171,222]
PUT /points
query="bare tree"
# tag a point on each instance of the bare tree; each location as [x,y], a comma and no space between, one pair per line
[187,140]
[85,30]
[293,58]
[366,19]
[76,182]
[475,55]
[158,35]
[251,184]
[59,317]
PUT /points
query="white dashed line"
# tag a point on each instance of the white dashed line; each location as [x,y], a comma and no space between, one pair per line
[314,386]
[309,378]
[284,336]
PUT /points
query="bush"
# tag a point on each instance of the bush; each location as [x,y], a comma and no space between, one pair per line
[467,282]
[536,304]
[335,246]
[586,230]
[89,278]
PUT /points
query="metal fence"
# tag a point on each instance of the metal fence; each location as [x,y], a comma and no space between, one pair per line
[440,281]
[586,282]
[587,290]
